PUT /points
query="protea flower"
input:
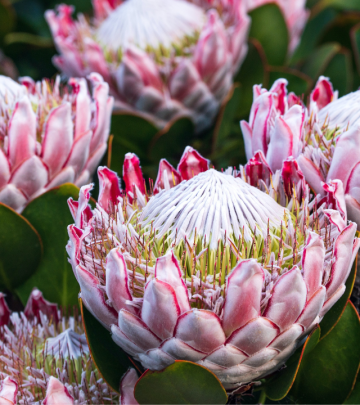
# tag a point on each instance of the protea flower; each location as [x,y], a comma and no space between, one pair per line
[295,15]
[162,58]
[46,360]
[50,135]
[211,270]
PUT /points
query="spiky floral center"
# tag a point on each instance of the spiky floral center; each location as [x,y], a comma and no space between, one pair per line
[158,25]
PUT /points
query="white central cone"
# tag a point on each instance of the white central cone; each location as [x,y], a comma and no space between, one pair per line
[151,23]
[214,204]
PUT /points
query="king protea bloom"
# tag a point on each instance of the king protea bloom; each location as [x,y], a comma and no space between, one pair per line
[209,269]
[45,358]
[162,58]
[50,134]
[295,15]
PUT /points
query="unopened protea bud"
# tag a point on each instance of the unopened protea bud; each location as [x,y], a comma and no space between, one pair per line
[211,270]
[46,358]
[50,134]
[162,58]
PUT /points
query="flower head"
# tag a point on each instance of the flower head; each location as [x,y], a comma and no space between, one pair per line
[49,135]
[46,358]
[204,267]
[161,58]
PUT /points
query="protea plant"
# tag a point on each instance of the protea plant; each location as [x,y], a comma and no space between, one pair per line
[45,358]
[209,269]
[50,134]
[295,15]
[162,58]
[323,137]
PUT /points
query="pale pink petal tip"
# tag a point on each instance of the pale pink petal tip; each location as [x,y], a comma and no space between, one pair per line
[127,386]
[38,304]
[8,391]
[57,393]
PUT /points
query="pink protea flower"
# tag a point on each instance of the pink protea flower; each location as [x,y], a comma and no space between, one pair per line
[50,135]
[162,58]
[211,270]
[295,15]
[45,359]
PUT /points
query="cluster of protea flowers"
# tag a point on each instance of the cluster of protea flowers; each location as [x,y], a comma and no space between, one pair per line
[211,270]
[50,134]
[324,137]
[162,58]
[44,358]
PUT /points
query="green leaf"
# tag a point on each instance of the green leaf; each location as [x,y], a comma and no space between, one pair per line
[279,386]
[132,133]
[340,71]
[354,397]
[183,382]
[111,361]
[7,17]
[332,317]
[299,83]
[319,59]
[312,34]
[50,215]
[269,28]
[20,248]
[224,125]
[170,142]
[355,42]
[252,71]
[328,375]
[29,39]
[347,5]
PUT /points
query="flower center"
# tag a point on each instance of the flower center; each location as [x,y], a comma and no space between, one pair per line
[151,24]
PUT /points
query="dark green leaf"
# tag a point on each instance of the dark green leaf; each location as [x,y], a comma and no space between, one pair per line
[28,39]
[50,215]
[132,133]
[333,316]
[224,125]
[279,386]
[312,34]
[20,248]
[183,382]
[347,5]
[252,71]
[328,375]
[355,41]
[111,361]
[172,140]
[7,17]
[319,59]
[354,397]
[269,28]
[340,72]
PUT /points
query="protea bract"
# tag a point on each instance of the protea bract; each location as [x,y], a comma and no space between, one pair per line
[211,270]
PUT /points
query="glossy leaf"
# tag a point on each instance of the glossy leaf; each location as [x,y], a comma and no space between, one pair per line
[170,142]
[340,71]
[183,382]
[252,71]
[319,60]
[20,249]
[312,34]
[50,215]
[279,386]
[328,375]
[132,133]
[332,317]
[269,28]
[354,397]
[111,361]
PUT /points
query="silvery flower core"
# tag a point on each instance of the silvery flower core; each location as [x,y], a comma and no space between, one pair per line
[211,269]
